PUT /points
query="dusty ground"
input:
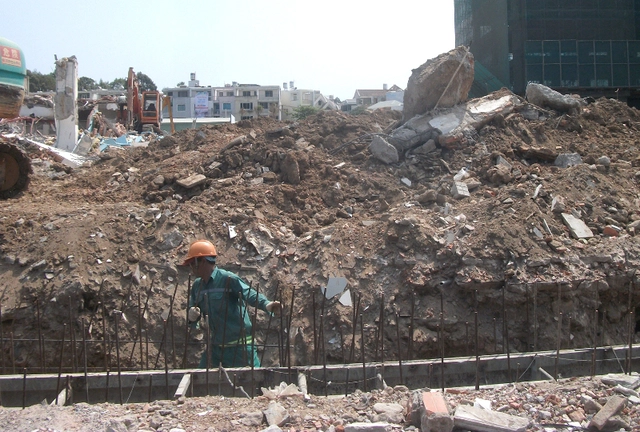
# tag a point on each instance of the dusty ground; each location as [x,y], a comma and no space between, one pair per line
[547,406]
[309,202]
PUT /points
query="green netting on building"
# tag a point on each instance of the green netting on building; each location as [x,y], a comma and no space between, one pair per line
[484,82]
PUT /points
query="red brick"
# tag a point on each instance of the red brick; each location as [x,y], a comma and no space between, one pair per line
[434,403]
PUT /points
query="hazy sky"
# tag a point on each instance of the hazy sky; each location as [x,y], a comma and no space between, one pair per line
[334,46]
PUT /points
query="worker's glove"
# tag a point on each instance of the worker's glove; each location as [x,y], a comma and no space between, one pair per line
[274,307]
[193,314]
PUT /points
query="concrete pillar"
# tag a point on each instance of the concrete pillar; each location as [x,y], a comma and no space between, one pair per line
[65,103]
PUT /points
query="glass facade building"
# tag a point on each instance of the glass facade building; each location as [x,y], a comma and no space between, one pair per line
[590,47]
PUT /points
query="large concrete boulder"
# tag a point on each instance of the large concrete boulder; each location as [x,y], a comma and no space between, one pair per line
[546,97]
[452,71]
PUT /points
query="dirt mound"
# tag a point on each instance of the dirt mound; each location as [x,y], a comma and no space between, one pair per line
[308,202]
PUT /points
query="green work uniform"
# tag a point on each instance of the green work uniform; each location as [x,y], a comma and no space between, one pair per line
[222,299]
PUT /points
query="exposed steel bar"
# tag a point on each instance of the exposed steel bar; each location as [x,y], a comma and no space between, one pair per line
[477,349]
[364,365]
[64,330]
[399,349]
[413,303]
[116,315]
[559,343]
[187,326]
[40,339]
[84,360]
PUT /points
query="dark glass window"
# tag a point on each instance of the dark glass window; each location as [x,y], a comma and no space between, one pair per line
[551,51]
[586,75]
[620,75]
[569,75]
[568,51]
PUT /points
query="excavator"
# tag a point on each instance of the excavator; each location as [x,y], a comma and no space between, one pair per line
[15,165]
[144,108]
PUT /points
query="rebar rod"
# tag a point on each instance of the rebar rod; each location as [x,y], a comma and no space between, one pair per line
[535,317]
[208,356]
[293,296]
[64,328]
[595,342]
[40,338]
[266,335]
[413,302]
[315,330]
[399,349]
[13,354]
[84,361]
[324,357]
[528,323]
[364,365]
[140,331]
[166,364]
[356,311]
[441,343]
[165,324]
[557,359]
[382,332]
[187,326]
[24,388]
[466,327]
[116,315]
[72,339]
[477,350]
[495,336]
[253,339]
[135,339]
[630,342]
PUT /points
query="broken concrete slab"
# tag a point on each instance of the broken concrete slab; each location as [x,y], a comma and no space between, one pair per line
[192,181]
[443,81]
[545,97]
[335,286]
[478,419]
[577,227]
[460,190]
[369,427]
[382,150]
[566,160]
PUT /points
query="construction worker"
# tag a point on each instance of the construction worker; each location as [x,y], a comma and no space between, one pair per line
[220,295]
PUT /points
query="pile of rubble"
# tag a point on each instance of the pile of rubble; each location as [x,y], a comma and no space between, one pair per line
[521,212]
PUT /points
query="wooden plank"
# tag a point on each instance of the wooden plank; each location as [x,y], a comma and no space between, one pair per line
[478,419]
[185,382]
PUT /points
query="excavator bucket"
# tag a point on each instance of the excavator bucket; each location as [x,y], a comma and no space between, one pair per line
[15,167]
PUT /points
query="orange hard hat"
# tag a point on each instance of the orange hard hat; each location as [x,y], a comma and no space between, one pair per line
[200,248]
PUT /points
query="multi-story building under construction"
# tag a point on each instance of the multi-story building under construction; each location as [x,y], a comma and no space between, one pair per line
[588,47]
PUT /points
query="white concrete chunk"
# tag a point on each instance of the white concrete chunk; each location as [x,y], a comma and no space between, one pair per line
[459,190]
[578,228]
[192,181]
[478,419]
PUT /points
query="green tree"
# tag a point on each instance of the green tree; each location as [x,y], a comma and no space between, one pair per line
[304,111]
[41,82]
[181,83]
[86,83]
[145,83]
[118,84]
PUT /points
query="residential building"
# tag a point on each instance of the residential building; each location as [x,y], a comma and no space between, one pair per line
[241,101]
[372,96]
[292,97]
[589,47]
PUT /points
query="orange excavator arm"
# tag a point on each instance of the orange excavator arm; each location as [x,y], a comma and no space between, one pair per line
[166,101]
